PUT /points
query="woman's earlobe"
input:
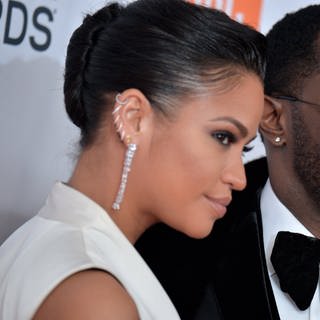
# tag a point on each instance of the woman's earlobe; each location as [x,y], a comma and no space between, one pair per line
[271,125]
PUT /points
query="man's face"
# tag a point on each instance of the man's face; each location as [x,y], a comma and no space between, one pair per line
[306,136]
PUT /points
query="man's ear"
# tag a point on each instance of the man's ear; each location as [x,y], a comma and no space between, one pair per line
[272,125]
[131,114]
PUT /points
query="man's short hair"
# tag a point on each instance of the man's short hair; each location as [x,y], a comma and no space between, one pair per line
[293,52]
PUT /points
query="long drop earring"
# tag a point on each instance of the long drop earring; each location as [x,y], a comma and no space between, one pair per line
[131,149]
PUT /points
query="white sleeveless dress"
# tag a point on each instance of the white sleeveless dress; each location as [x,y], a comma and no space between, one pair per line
[72,233]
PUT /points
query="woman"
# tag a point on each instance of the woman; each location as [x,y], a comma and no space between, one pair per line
[167,95]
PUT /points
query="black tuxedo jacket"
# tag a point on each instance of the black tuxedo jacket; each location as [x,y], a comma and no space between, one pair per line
[221,277]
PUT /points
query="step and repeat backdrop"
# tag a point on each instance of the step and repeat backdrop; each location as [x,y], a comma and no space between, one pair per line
[38,144]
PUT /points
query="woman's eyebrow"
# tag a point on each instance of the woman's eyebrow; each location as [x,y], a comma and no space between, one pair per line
[243,130]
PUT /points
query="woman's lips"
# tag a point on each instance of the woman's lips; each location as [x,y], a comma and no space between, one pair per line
[219,204]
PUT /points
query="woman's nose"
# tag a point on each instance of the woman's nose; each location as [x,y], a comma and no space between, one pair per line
[234,175]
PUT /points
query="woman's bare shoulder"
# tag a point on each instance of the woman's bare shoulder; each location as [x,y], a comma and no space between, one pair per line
[90,294]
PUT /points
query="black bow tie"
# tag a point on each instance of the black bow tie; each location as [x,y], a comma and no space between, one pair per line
[295,259]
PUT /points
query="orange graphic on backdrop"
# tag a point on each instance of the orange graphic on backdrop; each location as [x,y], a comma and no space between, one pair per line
[244,11]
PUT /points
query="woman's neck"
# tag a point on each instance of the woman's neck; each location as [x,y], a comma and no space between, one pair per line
[99,178]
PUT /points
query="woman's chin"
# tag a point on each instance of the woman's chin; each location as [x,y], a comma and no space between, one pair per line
[201,231]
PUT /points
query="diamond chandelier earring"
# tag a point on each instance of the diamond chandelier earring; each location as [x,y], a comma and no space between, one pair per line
[124,177]
[131,149]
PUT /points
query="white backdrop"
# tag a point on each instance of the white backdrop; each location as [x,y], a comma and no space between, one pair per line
[38,144]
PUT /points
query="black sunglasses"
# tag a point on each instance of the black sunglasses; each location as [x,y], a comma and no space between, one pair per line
[294,99]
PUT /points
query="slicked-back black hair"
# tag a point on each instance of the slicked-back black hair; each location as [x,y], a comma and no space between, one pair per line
[165,48]
[293,51]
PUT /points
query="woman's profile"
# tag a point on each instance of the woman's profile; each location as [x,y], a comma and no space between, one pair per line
[167,95]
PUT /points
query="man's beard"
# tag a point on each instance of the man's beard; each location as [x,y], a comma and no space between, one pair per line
[306,157]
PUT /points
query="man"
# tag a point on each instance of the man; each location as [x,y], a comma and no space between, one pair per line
[236,272]
[290,200]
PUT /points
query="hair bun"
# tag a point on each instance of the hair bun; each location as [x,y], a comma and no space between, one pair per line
[80,46]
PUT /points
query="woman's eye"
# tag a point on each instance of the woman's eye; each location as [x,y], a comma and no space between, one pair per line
[224,138]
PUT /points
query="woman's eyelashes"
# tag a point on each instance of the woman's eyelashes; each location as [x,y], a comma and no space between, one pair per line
[247,149]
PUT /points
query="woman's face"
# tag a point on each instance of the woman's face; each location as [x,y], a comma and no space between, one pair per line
[195,161]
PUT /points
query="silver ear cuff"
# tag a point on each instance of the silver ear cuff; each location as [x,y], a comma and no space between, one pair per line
[116,116]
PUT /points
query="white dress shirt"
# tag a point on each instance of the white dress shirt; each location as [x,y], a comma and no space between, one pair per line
[276,217]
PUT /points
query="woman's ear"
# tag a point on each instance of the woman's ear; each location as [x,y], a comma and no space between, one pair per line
[131,114]
[272,125]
